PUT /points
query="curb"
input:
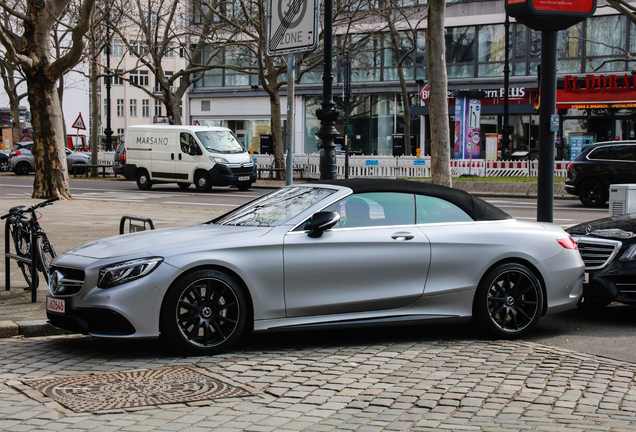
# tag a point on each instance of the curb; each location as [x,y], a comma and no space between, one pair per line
[32,328]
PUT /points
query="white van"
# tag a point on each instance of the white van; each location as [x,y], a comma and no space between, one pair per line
[203,155]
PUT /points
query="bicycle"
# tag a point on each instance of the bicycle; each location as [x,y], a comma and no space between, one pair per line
[23,221]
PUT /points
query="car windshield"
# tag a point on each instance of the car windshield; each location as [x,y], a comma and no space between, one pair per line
[220,141]
[275,208]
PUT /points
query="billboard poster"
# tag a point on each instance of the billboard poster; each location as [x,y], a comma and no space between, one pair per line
[474,121]
[458,126]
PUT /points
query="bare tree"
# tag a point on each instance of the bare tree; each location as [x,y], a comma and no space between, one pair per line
[625,8]
[12,79]
[31,52]
[438,87]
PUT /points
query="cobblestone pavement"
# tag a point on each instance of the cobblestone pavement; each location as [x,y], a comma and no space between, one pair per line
[359,381]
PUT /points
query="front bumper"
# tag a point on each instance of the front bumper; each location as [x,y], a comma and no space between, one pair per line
[227,175]
[616,282]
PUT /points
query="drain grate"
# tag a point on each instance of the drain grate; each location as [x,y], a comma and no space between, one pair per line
[120,390]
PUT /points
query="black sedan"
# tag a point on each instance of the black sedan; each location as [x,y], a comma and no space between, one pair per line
[608,248]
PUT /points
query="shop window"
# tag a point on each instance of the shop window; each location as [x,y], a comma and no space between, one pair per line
[603,45]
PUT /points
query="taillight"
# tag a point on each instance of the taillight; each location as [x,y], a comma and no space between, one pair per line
[567,243]
[17,152]
[122,157]
[568,166]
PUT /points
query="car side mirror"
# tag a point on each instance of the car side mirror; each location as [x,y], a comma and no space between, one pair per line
[194,150]
[321,222]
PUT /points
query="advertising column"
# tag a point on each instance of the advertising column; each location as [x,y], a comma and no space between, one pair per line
[467,124]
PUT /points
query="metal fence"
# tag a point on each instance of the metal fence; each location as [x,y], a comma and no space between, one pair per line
[414,167]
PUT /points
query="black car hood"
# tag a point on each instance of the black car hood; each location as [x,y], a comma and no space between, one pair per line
[619,227]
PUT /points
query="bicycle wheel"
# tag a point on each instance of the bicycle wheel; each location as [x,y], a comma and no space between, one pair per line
[45,255]
[22,242]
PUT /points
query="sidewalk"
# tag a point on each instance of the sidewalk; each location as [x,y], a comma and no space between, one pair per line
[73,223]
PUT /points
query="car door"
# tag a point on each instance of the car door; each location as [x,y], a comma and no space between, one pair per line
[186,162]
[163,148]
[373,261]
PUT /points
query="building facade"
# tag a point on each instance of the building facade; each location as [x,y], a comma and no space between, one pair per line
[592,52]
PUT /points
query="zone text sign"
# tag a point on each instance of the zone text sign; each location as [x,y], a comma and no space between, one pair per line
[550,14]
[292,26]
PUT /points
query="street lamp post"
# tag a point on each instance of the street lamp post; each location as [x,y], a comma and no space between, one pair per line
[108,131]
[328,114]
[506,129]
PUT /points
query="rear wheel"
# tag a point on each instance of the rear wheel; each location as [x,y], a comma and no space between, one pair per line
[202,181]
[78,169]
[23,168]
[183,185]
[204,313]
[592,193]
[143,180]
[4,165]
[508,301]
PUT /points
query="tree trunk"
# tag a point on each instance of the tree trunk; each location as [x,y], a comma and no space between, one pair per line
[172,107]
[438,88]
[51,174]
[277,127]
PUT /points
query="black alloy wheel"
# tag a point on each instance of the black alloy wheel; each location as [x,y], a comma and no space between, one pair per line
[592,193]
[4,165]
[204,313]
[509,301]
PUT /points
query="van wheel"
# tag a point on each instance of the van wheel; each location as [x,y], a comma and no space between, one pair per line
[143,180]
[244,186]
[202,181]
[183,185]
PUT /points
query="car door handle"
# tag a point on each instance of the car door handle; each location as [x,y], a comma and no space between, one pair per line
[179,156]
[401,236]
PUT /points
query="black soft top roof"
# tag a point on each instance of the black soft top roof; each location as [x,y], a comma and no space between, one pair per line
[476,208]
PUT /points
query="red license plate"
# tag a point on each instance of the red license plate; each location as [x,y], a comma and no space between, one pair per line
[55,305]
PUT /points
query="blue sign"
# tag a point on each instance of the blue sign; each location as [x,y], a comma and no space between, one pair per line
[554,122]
[419,162]
[371,162]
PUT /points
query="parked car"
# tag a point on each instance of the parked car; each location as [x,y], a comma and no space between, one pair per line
[120,160]
[608,249]
[4,162]
[22,162]
[598,166]
[344,252]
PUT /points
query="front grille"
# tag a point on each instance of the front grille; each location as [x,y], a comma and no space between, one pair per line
[243,170]
[597,253]
[65,281]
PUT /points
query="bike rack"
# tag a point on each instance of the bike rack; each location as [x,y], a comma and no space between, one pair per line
[134,228]
[33,261]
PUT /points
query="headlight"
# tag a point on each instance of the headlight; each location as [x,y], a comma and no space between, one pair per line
[630,254]
[218,160]
[127,271]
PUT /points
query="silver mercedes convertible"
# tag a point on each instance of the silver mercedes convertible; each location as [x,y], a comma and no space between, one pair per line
[334,253]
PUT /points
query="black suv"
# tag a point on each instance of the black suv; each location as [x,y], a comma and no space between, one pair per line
[597,167]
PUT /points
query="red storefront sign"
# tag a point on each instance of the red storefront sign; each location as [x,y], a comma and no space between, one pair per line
[570,6]
[597,91]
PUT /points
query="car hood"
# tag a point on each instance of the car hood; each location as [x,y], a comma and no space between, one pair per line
[157,242]
[618,227]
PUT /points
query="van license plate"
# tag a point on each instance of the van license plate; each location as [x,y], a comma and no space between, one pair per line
[245,178]
[55,305]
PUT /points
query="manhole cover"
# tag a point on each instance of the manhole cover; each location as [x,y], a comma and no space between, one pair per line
[120,390]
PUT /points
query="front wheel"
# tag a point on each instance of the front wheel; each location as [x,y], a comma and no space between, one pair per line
[183,185]
[508,301]
[22,243]
[204,313]
[202,182]
[592,193]
[244,186]
[143,180]
[45,255]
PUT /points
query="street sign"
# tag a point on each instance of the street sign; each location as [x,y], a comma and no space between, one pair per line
[79,123]
[25,132]
[292,26]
